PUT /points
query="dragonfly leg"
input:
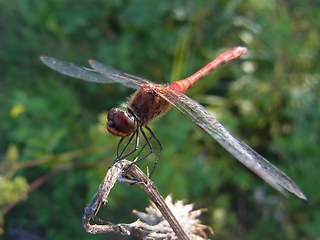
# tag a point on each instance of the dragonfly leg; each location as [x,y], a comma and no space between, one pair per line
[144,145]
[137,158]
[150,147]
[121,156]
[121,140]
[147,143]
[160,146]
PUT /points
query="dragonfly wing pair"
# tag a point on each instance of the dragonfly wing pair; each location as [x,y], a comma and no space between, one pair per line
[100,74]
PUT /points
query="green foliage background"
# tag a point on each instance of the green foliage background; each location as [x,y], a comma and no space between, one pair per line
[55,150]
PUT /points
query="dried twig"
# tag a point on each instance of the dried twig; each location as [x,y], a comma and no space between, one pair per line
[125,171]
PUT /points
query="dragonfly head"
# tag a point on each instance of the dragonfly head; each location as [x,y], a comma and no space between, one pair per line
[121,123]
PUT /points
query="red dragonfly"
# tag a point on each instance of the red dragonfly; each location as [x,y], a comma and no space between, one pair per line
[152,100]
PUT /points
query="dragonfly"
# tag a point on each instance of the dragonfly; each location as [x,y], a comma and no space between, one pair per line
[151,100]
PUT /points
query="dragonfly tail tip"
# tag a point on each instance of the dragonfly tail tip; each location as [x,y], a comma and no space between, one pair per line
[241,50]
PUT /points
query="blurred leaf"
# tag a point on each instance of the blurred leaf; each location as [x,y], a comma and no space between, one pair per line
[16,110]
[13,190]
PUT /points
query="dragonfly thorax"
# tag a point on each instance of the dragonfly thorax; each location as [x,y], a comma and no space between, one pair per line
[121,123]
[146,104]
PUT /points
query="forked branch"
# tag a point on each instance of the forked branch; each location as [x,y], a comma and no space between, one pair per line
[126,172]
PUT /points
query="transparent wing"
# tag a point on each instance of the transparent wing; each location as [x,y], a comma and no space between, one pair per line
[106,69]
[101,74]
[241,151]
[103,67]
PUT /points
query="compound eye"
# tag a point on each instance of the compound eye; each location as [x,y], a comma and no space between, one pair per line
[121,123]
